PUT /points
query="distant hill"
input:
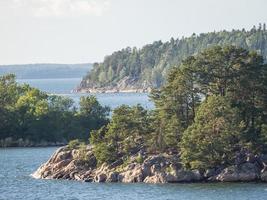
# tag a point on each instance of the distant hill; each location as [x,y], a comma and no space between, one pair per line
[133,69]
[39,71]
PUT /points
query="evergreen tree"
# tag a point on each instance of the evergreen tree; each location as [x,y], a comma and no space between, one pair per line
[214,137]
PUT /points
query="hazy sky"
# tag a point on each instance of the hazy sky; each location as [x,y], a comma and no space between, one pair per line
[77,31]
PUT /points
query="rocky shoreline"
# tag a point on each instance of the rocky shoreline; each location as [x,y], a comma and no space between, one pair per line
[125,85]
[111,90]
[67,164]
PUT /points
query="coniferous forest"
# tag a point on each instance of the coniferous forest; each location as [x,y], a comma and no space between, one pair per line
[148,66]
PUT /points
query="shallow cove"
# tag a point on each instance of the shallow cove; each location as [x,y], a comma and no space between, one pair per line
[16,165]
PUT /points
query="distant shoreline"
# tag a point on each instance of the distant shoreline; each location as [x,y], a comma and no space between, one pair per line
[113,90]
[10,143]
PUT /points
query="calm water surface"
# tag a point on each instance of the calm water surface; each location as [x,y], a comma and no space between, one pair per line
[16,165]
[65,85]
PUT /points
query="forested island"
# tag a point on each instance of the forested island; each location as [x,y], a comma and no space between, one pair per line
[209,124]
[140,70]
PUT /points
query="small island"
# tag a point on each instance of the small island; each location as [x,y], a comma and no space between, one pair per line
[209,124]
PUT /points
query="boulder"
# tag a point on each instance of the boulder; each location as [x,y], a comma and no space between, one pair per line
[157,178]
[210,172]
[180,176]
[61,164]
[100,178]
[146,170]
[116,164]
[263,176]
[91,162]
[170,178]
[251,158]
[155,168]
[87,176]
[132,175]
[263,158]
[71,167]
[102,169]
[77,177]
[46,174]
[62,155]
[188,176]
[58,175]
[176,166]
[72,174]
[246,172]
[112,177]
[55,155]
[155,159]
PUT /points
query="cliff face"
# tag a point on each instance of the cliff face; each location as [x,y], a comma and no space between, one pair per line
[148,168]
[137,70]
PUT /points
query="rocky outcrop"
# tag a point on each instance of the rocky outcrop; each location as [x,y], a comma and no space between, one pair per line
[69,164]
[245,172]
[125,85]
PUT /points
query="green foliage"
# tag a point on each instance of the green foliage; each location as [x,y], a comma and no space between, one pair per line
[222,71]
[83,152]
[92,116]
[147,66]
[238,75]
[104,153]
[263,136]
[139,159]
[214,137]
[175,108]
[126,131]
[28,114]
[74,144]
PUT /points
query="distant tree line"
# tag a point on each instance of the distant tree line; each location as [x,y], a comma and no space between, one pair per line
[29,116]
[42,71]
[148,66]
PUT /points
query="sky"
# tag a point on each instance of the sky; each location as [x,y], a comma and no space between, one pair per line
[82,31]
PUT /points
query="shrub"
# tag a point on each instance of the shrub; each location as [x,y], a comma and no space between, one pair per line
[104,153]
[139,159]
[74,144]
